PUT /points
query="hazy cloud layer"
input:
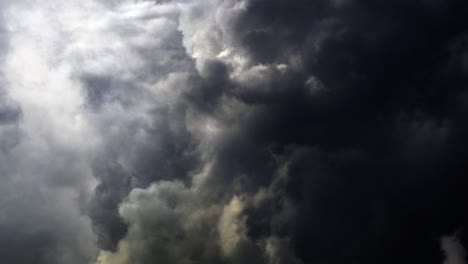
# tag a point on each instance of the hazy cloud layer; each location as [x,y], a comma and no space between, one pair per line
[226,131]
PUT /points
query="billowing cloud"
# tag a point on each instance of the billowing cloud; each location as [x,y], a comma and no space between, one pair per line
[233,131]
[454,251]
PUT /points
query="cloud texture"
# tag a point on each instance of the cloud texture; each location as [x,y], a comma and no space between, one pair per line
[233,131]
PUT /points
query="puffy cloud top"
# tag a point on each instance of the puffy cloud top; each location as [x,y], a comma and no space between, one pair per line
[233,131]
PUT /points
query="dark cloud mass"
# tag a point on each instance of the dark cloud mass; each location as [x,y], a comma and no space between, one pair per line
[234,131]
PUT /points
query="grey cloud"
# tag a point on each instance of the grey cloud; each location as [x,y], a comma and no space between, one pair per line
[176,224]
[170,223]
[234,131]
[454,251]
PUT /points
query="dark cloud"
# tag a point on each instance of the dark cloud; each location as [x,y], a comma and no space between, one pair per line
[345,141]
[256,131]
[382,180]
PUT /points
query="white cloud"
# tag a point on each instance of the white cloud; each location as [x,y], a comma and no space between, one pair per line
[454,251]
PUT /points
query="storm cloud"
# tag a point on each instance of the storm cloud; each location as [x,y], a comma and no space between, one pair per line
[233,131]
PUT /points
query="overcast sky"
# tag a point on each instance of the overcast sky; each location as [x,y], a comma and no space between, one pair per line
[233,131]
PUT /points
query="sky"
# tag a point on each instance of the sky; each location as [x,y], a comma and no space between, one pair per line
[233,131]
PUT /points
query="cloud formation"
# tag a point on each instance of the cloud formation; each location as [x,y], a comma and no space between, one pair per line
[233,131]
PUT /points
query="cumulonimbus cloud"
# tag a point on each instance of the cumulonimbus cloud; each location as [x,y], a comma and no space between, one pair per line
[226,131]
